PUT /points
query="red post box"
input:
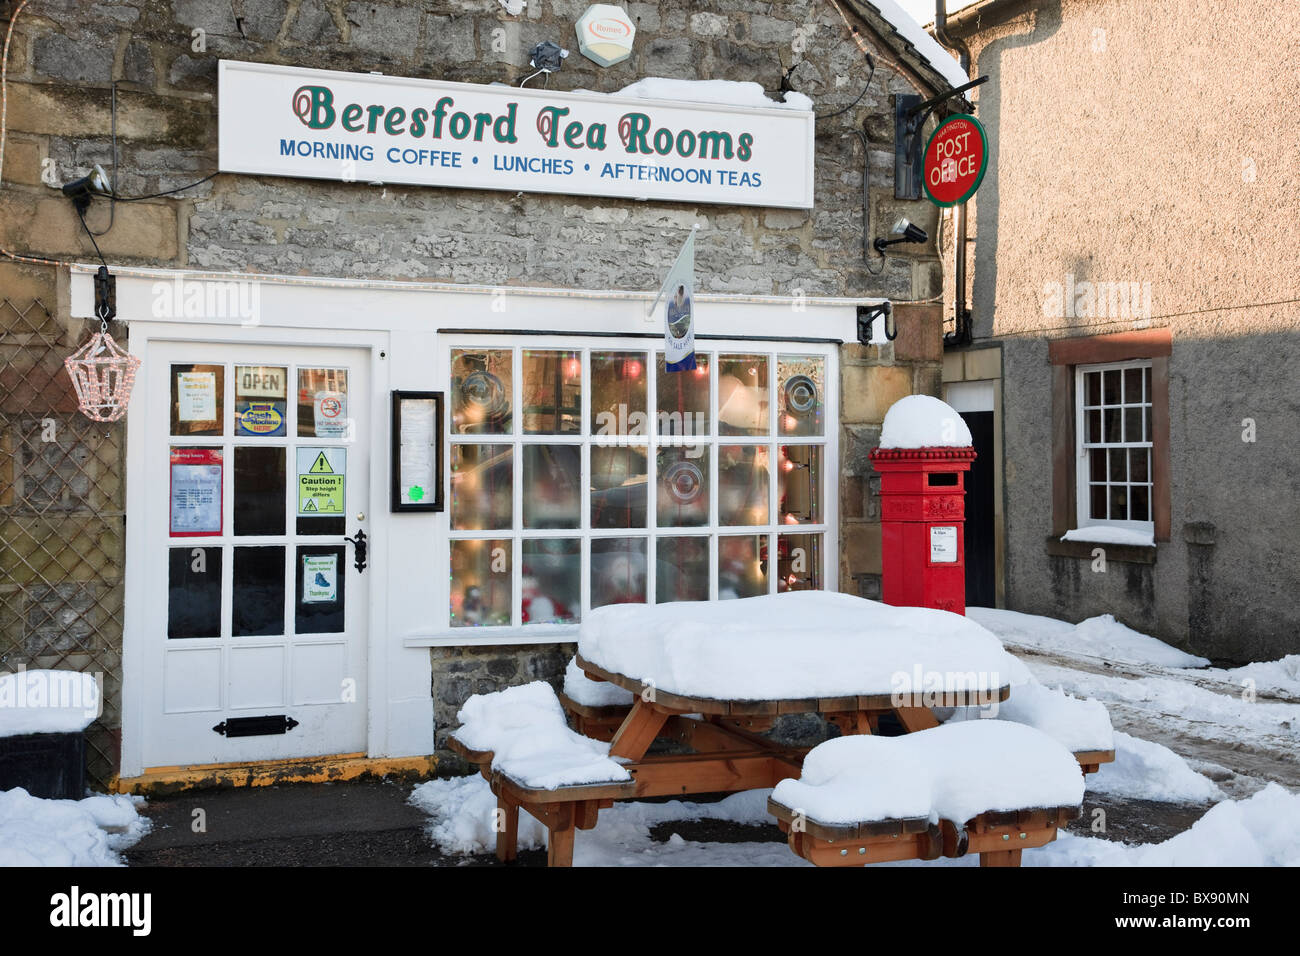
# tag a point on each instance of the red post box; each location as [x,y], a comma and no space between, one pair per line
[922,513]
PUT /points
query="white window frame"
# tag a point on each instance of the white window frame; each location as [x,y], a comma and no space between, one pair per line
[518,633]
[1082,447]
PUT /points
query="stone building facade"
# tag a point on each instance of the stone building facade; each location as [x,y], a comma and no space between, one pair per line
[1134,215]
[132,86]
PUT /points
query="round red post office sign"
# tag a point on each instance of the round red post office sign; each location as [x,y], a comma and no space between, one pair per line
[955,160]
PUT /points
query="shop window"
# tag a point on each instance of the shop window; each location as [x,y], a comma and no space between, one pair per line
[617,481]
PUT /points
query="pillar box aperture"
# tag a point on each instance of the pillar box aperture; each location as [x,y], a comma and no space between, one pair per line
[924,454]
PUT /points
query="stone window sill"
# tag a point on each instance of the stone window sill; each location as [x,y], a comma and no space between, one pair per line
[1125,553]
[494,636]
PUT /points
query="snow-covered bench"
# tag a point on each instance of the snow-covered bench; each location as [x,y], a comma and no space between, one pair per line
[522,744]
[595,708]
[981,786]
[1082,726]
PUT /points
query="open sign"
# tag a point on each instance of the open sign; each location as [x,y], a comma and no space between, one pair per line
[955,160]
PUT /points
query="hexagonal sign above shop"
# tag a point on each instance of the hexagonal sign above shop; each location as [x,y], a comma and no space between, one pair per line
[605,34]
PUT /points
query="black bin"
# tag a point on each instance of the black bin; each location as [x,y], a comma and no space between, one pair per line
[51,766]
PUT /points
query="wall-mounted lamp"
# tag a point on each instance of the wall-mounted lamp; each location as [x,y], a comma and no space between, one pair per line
[82,190]
[906,232]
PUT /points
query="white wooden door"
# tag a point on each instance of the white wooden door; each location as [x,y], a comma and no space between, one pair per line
[258,473]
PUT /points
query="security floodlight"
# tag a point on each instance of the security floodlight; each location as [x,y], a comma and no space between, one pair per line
[906,231]
[81,190]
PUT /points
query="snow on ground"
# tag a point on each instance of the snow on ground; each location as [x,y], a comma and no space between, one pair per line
[1280,678]
[1144,770]
[1204,714]
[763,648]
[1263,830]
[1101,637]
[89,832]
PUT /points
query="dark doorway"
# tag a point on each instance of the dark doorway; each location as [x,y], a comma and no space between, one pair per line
[980,583]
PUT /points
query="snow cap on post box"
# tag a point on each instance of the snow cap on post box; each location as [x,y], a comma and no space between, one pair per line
[605,34]
[919,421]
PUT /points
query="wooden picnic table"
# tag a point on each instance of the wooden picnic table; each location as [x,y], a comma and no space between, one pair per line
[729,754]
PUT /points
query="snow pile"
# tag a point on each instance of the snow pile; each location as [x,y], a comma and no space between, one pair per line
[954,772]
[722,92]
[1101,534]
[1102,637]
[464,816]
[462,823]
[919,421]
[89,832]
[1105,637]
[47,702]
[927,46]
[794,645]
[525,729]
[1149,771]
[1076,724]
[583,690]
[1280,678]
[1263,830]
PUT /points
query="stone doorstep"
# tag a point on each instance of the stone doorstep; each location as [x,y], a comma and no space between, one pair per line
[160,781]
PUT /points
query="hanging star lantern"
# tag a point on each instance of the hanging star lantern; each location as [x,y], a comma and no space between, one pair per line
[103,374]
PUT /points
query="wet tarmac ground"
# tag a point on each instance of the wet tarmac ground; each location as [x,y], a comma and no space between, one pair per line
[370,824]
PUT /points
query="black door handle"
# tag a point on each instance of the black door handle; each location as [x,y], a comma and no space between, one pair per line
[359,543]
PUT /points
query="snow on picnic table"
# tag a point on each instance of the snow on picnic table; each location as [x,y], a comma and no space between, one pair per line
[794,645]
[954,772]
[526,730]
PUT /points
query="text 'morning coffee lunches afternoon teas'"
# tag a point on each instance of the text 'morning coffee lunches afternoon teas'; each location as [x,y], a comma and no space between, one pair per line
[321,124]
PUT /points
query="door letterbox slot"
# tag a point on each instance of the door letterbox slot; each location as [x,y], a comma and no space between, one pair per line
[256,726]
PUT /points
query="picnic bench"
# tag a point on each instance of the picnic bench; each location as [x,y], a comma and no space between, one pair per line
[986,787]
[729,754]
[576,753]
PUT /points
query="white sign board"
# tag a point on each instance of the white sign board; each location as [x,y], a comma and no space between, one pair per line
[943,545]
[324,124]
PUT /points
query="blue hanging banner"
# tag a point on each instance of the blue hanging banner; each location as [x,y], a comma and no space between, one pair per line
[678,295]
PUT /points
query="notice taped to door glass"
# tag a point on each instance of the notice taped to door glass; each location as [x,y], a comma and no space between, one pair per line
[195,492]
[320,578]
[322,474]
